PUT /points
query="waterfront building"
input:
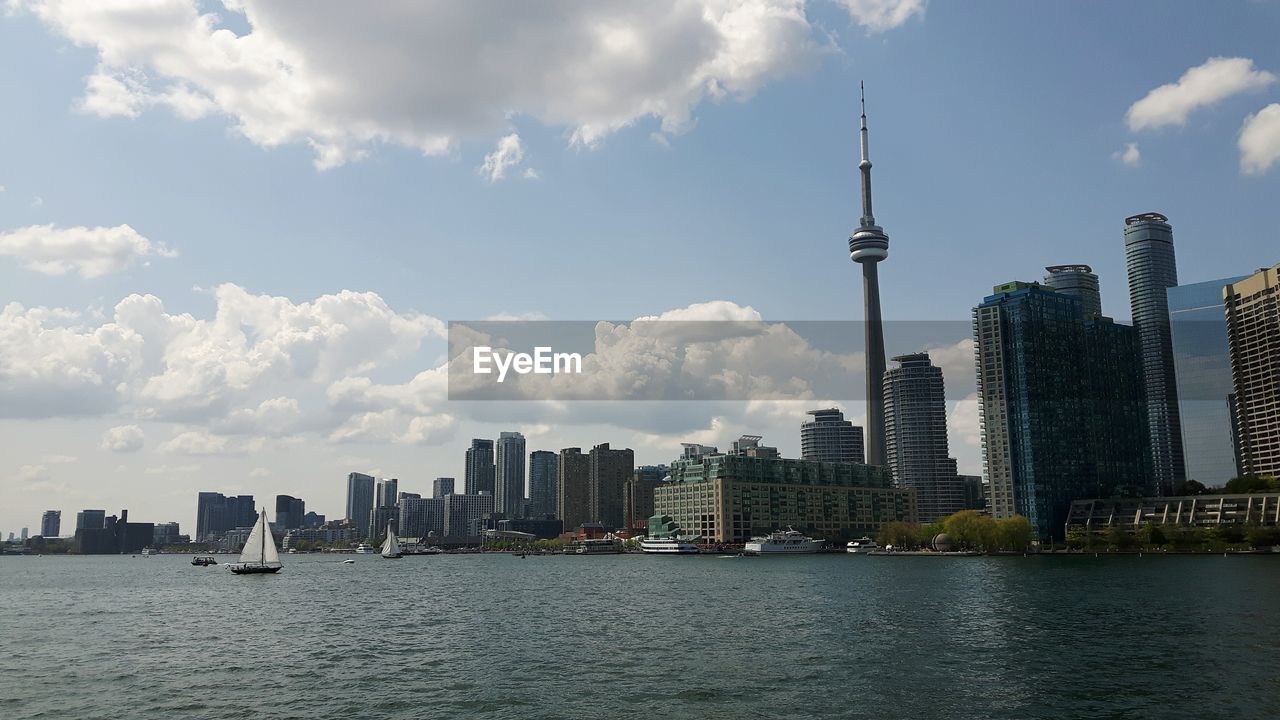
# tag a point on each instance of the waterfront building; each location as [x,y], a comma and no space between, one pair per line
[1202,364]
[609,469]
[975,494]
[115,536]
[828,437]
[510,466]
[1079,282]
[637,494]
[1061,403]
[542,528]
[442,486]
[915,421]
[573,487]
[731,498]
[868,246]
[51,523]
[289,512]
[543,466]
[460,511]
[419,516]
[1190,511]
[167,534]
[91,519]
[379,517]
[312,520]
[749,446]
[23,535]
[360,500]
[479,471]
[1148,251]
[339,532]
[1253,334]
[217,513]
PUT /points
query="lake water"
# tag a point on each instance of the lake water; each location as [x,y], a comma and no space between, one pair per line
[496,636]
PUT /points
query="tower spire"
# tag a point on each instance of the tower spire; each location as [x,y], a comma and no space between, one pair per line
[868,217]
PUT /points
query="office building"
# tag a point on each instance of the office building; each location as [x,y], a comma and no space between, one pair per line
[730,498]
[637,495]
[609,470]
[510,458]
[91,519]
[1061,403]
[360,500]
[23,535]
[1202,363]
[442,486]
[915,421]
[386,492]
[51,523]
[1079,282]
[421,517]
[573,488]
[1253,334]
[479,471]
[461,511]
[543,466]
[289,512]
[217,513]
[828,437]
[975,494]
[1148,251]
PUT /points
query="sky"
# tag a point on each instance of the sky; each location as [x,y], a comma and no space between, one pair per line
[233,234]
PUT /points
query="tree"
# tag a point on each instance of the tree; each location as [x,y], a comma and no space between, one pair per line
[1261,537]
[1014,533]
[971,531]
[1190,487]
[1119,538]
[899,535]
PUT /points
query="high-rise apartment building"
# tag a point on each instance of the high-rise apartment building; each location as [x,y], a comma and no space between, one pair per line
[442,486]
[51,523]
[510,458]
[637,495]
[1253,331]
[573,488]
[479,472]
[610,469]
[360,489]
[542,483]
[1202,360]
[828,437]
[91,519]
[419,516]
[1061,400]
[461,510]
[915,421]
[1079,282]
[289,512]
[386,492]
[217,513]
[1148,251]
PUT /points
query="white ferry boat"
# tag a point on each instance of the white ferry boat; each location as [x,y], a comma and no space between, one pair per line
[365,549]
[598,546]
[862,545]
[668,546]
[783,542]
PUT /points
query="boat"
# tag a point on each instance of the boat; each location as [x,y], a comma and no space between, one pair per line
[783,542]
[259,554]
[365,549]
[668,546]
[204,560]
[862,545]
[601,546]
[349,561]
[148,552]
[390,547]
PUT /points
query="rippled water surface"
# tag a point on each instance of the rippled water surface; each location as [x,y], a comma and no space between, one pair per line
[496,636]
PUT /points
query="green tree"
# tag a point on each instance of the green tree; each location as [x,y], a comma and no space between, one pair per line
[900,535]
[1014,533]
[1262,537]
[1119,538]
[1190,487]
[971,531]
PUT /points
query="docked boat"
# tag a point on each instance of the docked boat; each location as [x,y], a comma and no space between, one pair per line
[365,549]
[390,546]
[601,546]
[668,546]
[862,545]
[783,542]
[259,554]
[148,552]
[204,560]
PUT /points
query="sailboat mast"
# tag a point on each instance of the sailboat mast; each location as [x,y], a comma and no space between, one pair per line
[262,519]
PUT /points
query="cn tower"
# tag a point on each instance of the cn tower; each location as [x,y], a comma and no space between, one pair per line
[868,246]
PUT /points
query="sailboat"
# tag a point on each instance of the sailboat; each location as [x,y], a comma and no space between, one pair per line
[259,554]
[390,547]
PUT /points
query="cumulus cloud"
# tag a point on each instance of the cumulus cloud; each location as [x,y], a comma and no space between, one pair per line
[89,252]
[123,438]
[1259,140]
[1216,80]
[1130,155]
[590,68]
[508,154]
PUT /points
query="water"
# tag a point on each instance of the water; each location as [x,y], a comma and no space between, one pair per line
[495,636]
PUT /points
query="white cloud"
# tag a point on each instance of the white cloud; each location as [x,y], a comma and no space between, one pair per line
[171,469]
[1216,80]
[964,424]
[508,154]
[427,75]
[33,473]
[123,438]
[1130,156]
[196,442]
[1259,140]
[37,202]
[260,472]
[881,15]
[90,252]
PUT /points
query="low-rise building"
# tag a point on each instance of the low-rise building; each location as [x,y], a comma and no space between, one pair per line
[1187,511]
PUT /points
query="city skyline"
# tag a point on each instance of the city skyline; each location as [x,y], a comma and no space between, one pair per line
[190,339]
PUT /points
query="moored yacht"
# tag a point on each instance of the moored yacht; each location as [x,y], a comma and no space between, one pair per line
[365,549]
[783,542]
[668,546]
[862,545]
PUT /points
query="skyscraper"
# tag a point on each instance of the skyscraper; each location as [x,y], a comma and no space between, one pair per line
[91,519]
[915,420]
[508,498]
[610,469]
[868,246]
[386,492]
[1148,252]
[461,510]
[51,523]
[1079,282]
[479,475]
[1061,401]
[442,486]
[1253,330]
[828,437]
[1202,359]
[542,483]
[217,513]
[573,488]
[360,500]
[289,512]
[637,494]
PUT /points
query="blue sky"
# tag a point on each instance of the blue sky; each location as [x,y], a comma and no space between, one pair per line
[996,129]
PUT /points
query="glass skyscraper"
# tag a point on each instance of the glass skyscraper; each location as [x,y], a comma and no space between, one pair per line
[542,483]
[360,500]
[509,469]
[479,472]
[915,421]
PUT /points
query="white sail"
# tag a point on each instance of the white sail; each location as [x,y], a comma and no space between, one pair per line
[390,546]
[260,548]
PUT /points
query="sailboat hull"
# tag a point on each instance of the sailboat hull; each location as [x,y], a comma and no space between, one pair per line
[254,569]
[397,556]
